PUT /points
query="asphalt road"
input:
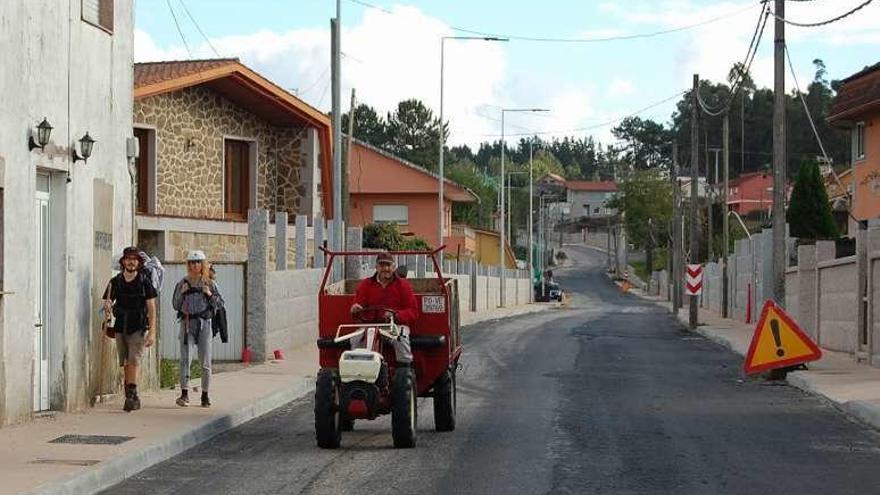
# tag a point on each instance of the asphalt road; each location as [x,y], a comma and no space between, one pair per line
[609,396]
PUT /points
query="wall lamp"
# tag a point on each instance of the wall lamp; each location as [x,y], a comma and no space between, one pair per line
[85,143]
[44,130]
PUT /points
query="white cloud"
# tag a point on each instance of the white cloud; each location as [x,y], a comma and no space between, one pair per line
[620,87]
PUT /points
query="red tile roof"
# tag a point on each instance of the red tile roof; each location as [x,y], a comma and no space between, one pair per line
[860,92]
[147,73]
[597,186]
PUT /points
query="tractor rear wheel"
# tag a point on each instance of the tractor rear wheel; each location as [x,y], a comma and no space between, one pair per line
[445,402]
[404,409]
[328,416]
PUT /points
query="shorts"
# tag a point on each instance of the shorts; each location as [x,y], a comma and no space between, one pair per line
[130,347]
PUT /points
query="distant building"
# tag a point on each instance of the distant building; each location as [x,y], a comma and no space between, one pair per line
[590,198]
[750,192]
[386,188]
[480,245]
[857,108]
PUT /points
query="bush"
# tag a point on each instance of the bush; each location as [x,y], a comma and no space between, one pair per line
[809,213]
[386,236]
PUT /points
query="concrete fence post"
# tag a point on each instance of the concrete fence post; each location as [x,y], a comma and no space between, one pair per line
[257,279]
[863,336]
[420,266]
[281,240]
[354,237]
[825,251]
[318,241]
[806,315]
[473,276]
[301,242]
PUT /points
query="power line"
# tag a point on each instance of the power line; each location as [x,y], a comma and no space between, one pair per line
[196,24]
[824,23]
[179,31]
[315,84]
[577,40]
[745,68]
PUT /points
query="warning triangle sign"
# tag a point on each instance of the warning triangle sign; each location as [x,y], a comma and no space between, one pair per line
[778,342]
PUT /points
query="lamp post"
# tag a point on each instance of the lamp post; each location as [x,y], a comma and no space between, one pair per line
[510,202]
[502,258]
[531,224]
[441,210]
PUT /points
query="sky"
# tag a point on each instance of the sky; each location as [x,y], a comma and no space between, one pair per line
[391,52]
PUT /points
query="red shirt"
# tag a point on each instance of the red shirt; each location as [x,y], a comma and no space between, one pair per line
[397,295]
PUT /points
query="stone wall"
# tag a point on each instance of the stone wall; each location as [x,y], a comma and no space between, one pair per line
[191,125]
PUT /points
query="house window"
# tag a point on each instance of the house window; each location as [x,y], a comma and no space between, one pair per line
[145,166]
[398,214]
[859,141]
[98,13]
[237,178]
[587,209]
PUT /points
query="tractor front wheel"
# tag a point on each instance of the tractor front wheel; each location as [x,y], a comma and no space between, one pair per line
[328,416]
[404,409]
[444,402]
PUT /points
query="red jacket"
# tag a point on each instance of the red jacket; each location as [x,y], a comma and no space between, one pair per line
[397,295]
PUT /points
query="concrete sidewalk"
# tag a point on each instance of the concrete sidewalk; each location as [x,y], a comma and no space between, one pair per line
[30,463]
[853,388]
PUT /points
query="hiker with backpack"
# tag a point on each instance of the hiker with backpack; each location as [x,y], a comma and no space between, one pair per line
[130,304]
[197,301]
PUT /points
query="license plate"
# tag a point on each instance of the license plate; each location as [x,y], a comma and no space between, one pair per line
[433,304]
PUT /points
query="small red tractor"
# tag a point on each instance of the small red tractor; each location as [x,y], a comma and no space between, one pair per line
[359,378]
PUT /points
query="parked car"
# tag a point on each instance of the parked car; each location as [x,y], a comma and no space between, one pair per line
[552,292]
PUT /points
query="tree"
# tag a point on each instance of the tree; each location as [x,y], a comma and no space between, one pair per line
[369,126]
[809,213]
[645,200]
[414,133]
[386,236]
[647,143]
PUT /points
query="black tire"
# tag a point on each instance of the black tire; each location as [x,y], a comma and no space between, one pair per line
[445,402]
[404,409]
[328,417]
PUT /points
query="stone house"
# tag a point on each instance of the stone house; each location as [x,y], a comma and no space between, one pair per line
[217,139]
[65,66]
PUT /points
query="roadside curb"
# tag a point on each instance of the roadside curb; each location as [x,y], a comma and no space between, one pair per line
[528,309]
[109,473]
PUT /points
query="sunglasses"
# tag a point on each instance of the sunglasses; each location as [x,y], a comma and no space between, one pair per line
[194,262]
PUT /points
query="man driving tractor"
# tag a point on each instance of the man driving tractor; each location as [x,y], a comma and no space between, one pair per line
[386,289]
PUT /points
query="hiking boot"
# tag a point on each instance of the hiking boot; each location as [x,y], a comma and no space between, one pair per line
[135,402]
[206,402]
[130,396]
[183,400]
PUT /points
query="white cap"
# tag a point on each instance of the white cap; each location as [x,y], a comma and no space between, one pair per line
[196,255]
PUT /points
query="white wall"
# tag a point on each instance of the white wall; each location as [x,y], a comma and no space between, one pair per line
[80,78]
[292,308]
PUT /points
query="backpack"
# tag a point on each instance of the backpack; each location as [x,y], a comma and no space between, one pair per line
[153,269]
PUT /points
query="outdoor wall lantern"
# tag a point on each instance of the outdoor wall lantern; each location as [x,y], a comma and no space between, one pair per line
[44,130]
[85,143]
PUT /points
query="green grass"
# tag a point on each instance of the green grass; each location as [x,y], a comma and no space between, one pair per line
[169,372]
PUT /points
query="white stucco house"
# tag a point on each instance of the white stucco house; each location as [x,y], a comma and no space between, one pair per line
[590,198]
[68,64]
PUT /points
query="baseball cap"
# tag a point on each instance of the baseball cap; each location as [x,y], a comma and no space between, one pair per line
[384,258]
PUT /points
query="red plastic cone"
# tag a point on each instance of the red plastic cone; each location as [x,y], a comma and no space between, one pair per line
[278,354]
[246,355]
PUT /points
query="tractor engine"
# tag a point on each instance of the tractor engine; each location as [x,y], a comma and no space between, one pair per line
[364,377]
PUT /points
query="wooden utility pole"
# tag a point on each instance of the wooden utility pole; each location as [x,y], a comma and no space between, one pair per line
[711,196]
[346,166]
[676,271]
[695,158]
[779,258]
[725,249]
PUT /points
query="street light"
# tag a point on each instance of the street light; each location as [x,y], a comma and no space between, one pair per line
[510,202]
[503,260]
[441,213]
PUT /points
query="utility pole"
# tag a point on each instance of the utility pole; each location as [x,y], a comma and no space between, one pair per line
[336,68]
[695,158]
[725,249]
[346,200]
[531,225]
[711,197]
[779,258]
[676,234]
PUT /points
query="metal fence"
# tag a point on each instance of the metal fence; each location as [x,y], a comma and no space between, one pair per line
[231,282]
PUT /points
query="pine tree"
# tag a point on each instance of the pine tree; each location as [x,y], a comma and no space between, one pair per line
[809,212]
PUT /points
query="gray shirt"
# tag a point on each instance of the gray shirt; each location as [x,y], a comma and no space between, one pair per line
[190,302]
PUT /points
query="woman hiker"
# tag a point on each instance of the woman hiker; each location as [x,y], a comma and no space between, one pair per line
[196,299]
